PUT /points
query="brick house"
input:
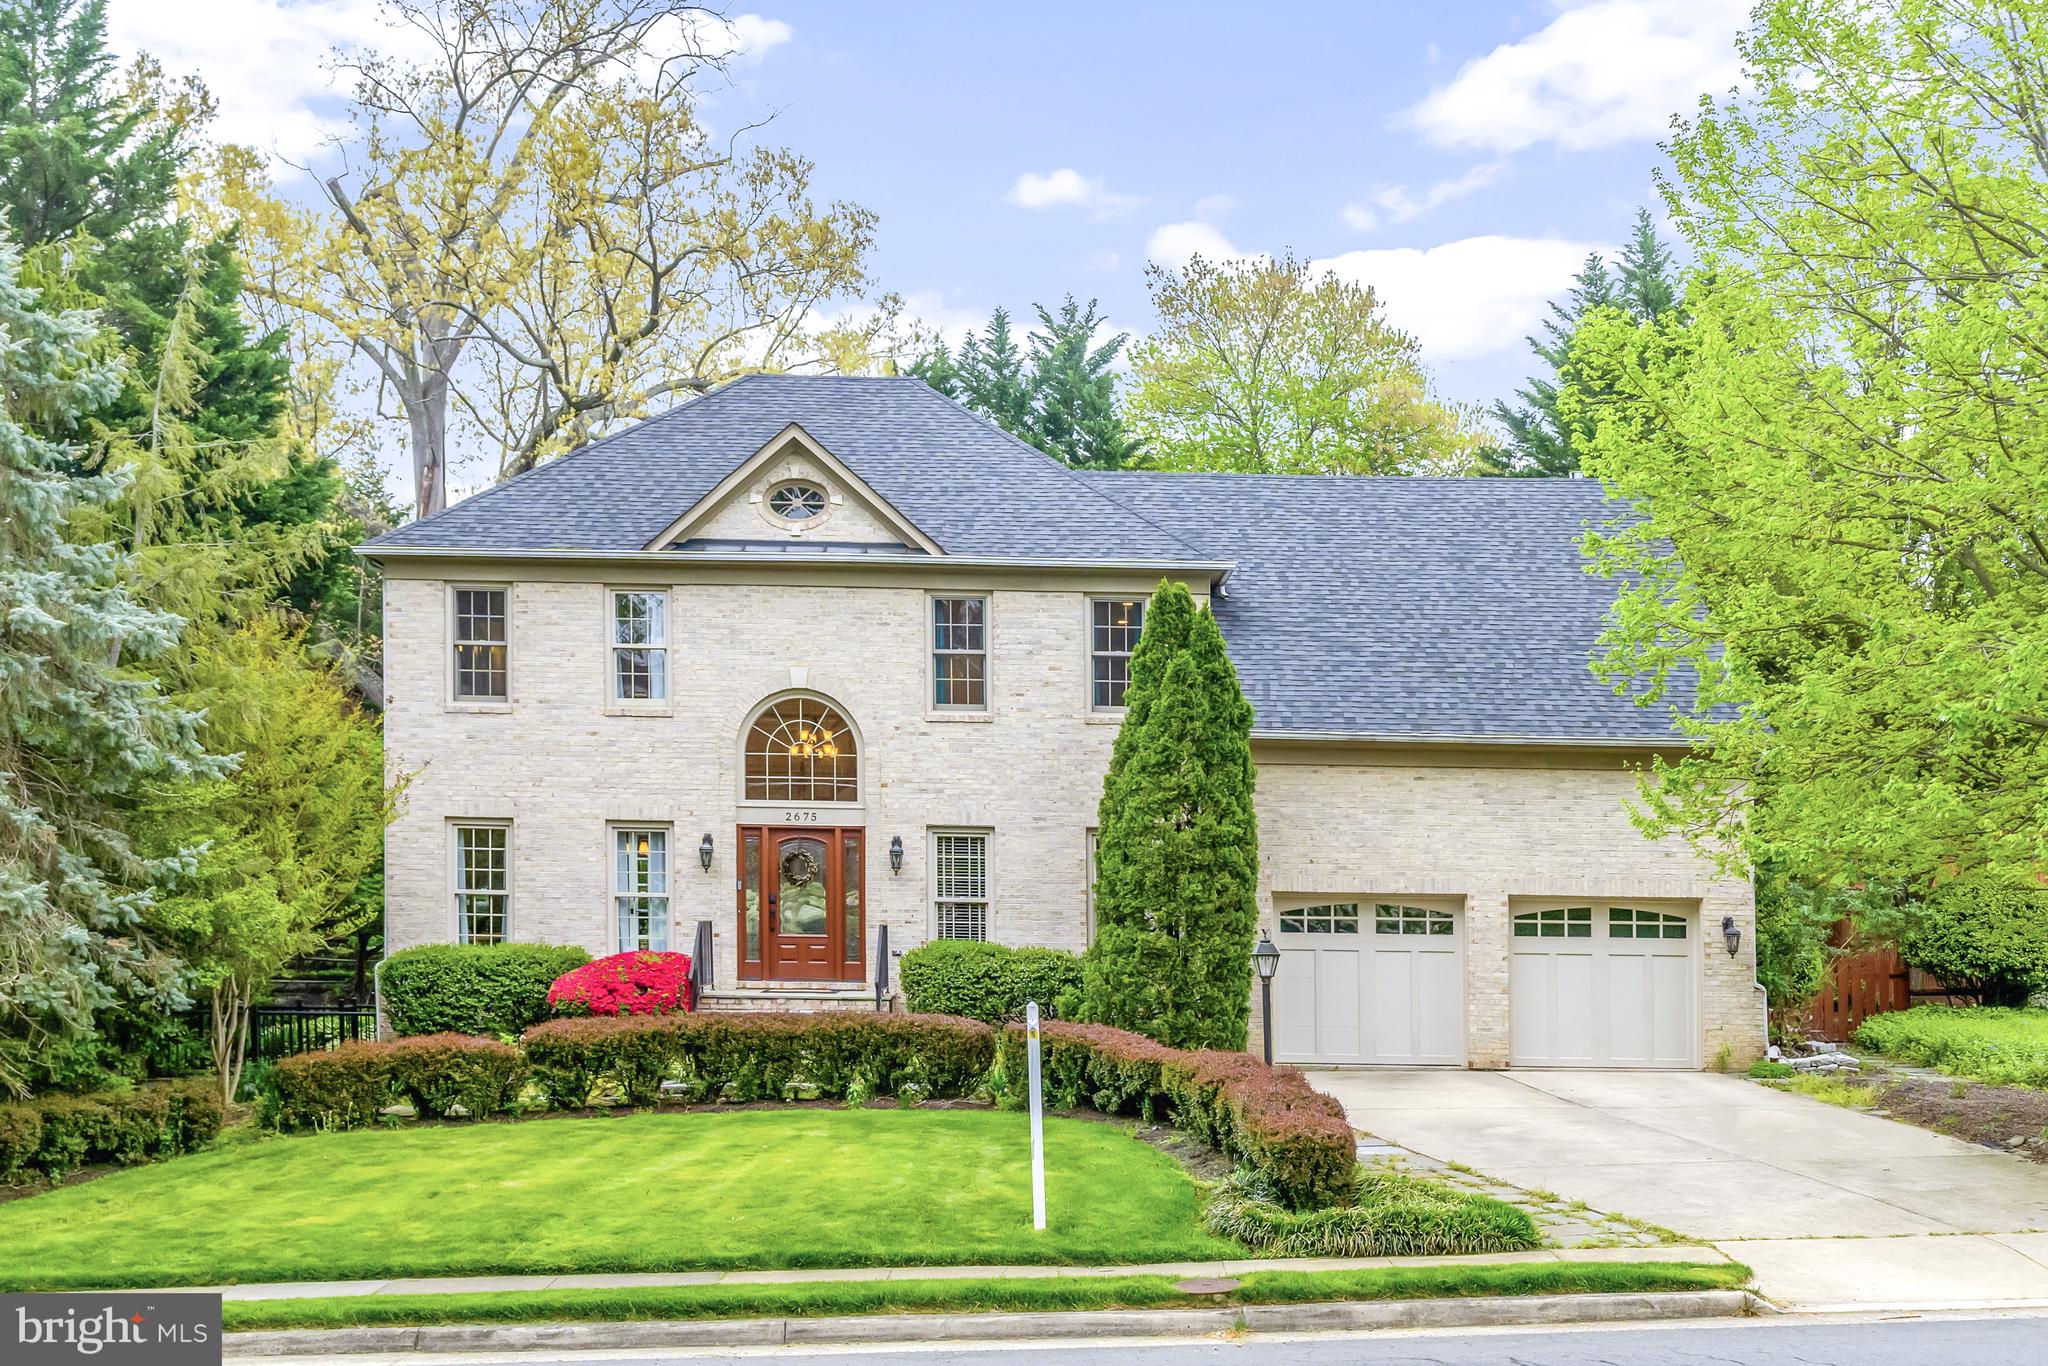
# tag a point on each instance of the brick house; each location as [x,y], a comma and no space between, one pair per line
[807,658]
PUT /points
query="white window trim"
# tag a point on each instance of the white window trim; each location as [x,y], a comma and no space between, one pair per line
[478,704]
[614,705]
[988,876]
[613,892]
[986,711]
[1094,712]
[455,889]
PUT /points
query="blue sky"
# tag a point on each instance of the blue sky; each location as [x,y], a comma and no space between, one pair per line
[1460,156]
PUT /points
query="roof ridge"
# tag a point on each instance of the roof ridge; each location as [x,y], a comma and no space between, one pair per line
[1062,466]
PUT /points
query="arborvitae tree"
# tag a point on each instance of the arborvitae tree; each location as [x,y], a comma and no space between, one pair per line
[1177,850]
[75,153]
[1073,390]
[1542,442]
[81,734]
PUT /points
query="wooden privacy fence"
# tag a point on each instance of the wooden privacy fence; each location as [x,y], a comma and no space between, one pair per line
[1862,984]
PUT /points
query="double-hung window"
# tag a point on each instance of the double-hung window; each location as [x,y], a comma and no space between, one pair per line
[1114,627]
[639,646]
[481,641]
[960,885]
[640,888]
[960,654]
[482,888]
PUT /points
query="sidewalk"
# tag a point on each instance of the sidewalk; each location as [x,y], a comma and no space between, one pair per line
[456,1285]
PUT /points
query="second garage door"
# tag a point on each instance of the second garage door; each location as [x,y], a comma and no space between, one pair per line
[1603,984]
[1369,981]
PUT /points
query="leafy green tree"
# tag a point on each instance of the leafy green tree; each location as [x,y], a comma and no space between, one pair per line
[1983,937]
[1645,286]
[82,735]
[1267,367]
[1837,450]
[76,154]
[1177,851]
[285,837]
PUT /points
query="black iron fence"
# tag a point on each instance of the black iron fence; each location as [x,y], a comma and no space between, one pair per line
[280,1031]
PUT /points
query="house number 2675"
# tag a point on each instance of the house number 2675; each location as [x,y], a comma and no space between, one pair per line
[800,817]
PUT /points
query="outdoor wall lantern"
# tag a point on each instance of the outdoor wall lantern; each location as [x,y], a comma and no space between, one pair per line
[1266,962]
[896,853]
[704,851]
[1730,936]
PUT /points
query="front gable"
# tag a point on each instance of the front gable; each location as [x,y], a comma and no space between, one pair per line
[793,472]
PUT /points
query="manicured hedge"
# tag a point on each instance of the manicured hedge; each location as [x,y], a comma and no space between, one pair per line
[472,988]
[1294,1138]
[830,1055]
[347,1087]
[53,1135]
[985,981]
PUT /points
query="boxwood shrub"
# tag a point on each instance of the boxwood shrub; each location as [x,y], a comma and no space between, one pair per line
[56,1134]
[829,1055]
[1294,1139]
[496,989]
[989,982]
[347,1087]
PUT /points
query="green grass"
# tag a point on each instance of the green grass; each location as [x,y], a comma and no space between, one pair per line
[984,1296]
[1996,1046]
[1828,1090]
[644,1192]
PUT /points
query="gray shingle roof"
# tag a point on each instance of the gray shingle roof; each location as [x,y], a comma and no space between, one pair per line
[1388,607]
[994,495]
[1406,607]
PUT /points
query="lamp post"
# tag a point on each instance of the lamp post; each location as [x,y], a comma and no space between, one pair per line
[1266,962]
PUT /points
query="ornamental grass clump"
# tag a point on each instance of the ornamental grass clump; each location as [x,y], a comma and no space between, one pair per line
[1395,1215]
[637,982]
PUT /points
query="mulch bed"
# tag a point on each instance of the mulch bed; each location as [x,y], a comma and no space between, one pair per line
[1990,1115]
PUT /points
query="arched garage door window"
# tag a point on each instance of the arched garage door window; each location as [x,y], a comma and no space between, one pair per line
[801,749]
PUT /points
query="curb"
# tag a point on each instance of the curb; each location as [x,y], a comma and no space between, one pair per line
[1356,1315]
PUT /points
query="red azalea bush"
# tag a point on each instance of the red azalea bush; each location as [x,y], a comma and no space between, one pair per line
[638,982]
[1268,1118]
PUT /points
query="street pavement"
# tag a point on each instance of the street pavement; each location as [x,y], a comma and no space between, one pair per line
[1982,1341]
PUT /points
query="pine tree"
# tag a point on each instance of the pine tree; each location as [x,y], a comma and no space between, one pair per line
[1644,284]
[1073,390]
[80,733]
[991,376]
[75,154]
[1177,851]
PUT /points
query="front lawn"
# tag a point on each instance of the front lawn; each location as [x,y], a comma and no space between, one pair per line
[985,1296]
[1996,1046]
[641,1192]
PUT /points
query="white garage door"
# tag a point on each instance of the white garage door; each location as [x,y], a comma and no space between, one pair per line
[1369,982]
[1603,985]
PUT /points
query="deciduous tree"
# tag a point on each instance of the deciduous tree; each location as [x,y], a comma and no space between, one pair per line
[1269,367]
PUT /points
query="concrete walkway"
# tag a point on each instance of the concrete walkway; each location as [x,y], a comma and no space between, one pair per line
[1833,1208]
[452,1285]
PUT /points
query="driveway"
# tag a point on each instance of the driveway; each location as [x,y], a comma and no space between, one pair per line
[1774,1179]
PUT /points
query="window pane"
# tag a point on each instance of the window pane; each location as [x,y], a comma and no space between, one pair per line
[1113,633]
[639,618]
[850,879]
[960,886]
[803,751]
[958,680]
[750,882]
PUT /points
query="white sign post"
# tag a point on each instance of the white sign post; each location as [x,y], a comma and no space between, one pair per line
[1037,1119]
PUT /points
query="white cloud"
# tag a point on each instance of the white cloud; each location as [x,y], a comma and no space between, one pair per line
[1174,244]
[1600,73]
[1212,206]
[1067,188]
[265,60]
[1468,298]
[1400,204]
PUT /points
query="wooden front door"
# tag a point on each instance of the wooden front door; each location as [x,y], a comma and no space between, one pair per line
[800,899]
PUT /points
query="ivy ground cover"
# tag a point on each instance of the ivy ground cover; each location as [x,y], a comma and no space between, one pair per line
[641,1192]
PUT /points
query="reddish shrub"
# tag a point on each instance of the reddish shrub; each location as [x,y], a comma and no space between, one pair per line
[347,1087]
[633,983]
[1268,1118]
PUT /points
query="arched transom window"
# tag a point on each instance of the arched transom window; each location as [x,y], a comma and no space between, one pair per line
[801,750]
